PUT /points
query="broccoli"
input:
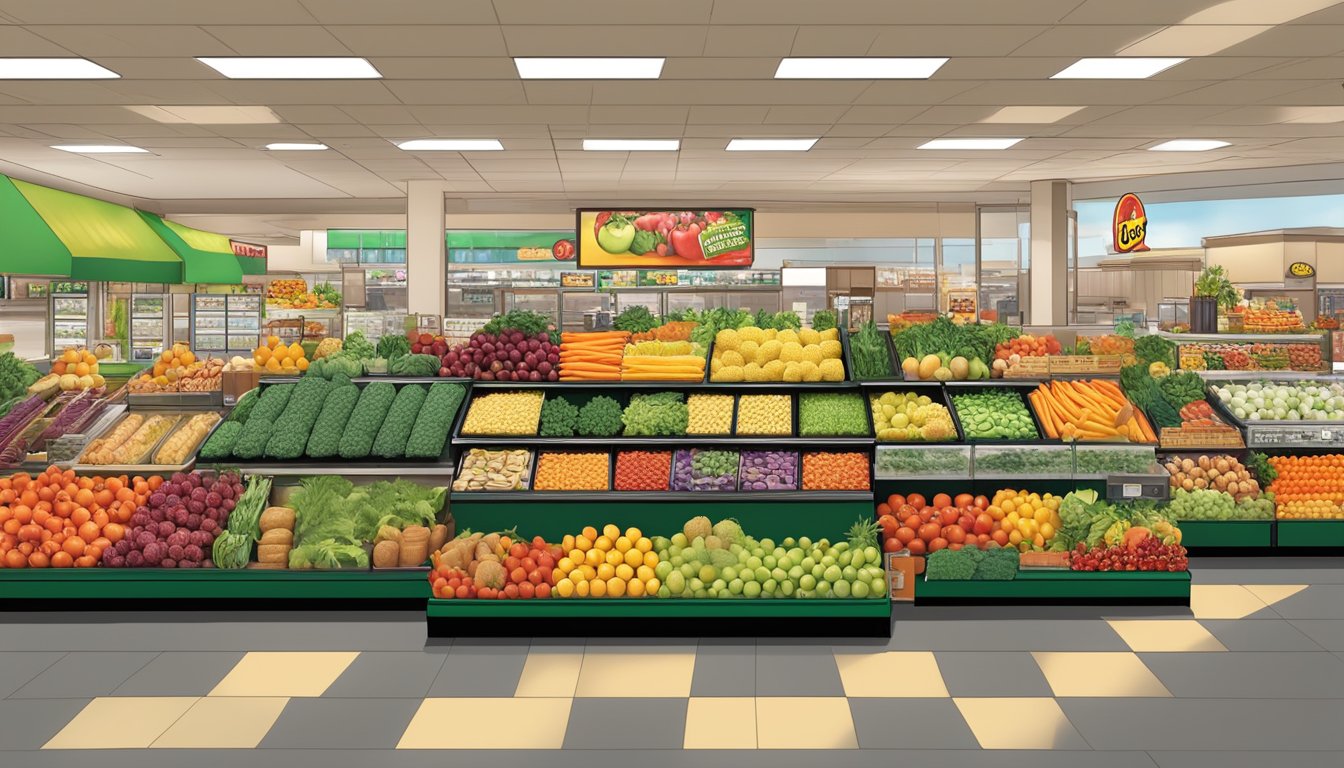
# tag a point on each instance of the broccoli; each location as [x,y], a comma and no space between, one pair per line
[357,345]
[325,439]
[331,366]
[952,565]
[362,428]
[257,431]
[414,365]
[220,444]
[558,418]
[600,417]
[997,564]
[392,347]
[289,441]
[435,420]
[661,413]
[244,406]
[391,440]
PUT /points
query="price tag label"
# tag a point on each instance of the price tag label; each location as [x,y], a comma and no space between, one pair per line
[1131,490]
[1325,434]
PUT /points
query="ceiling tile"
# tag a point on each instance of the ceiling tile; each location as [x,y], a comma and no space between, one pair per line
[430,40]
[625,40]
[1192,40]
[456,91]
[905,12]
[1085,40]
[1316,40]
[826,40]
[17,41]
[259,40]
[727,114]
[363,12]
[820,114]
[668,115]
[952,40]
[749,40]
[152,12]
[605,12]
[719,92]
[875,114]
[1136,11]
[122,39]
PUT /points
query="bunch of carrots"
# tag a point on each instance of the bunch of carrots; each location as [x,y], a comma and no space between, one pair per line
[677,330]
[1089,410]
[592,356]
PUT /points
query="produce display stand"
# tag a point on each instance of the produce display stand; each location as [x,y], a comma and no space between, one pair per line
[1037,587]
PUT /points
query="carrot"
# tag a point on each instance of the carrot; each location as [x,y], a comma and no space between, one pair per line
[591,367]
[636,376]
[590,376]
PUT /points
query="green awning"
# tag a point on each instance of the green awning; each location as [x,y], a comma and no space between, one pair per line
[27,244]
[206,256]
[252,265]
[104,241]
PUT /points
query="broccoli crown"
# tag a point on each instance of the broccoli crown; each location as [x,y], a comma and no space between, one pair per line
[325,439]
[600,417]
[558,418]
[435,420]
[220,444]
[296,422]
[661,413]
[998,564]
[243,408]
[391,440]
[951,565]
[257,431]
[363,425]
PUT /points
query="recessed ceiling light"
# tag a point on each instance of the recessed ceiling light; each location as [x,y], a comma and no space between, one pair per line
[969,143]
[1031,114]
[53,69]
[770,145]
[207,115]
[1188,145]
[632,145]
[296,147]
[1115,68]
[857,68]
[291,67]
[451,145]
[99,149]
[577,68]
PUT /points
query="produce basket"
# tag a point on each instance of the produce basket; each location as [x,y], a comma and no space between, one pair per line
[1021,462]
[141,463]
[933,390]
[1019,388]
[922,462]
[1100,460]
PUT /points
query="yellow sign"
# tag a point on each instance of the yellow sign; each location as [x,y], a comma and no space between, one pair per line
[1131,224]
[1301,269]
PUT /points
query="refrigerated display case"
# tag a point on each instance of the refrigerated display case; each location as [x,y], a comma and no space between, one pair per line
[149,326]
[70,312]
[225,324]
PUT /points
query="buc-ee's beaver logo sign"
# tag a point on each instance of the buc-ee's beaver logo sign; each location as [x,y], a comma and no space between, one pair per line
[1131,225]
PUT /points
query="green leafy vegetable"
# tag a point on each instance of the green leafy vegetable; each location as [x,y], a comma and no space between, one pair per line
[393,346]
[635,319]
[869,352]
[659,413]
[823,320]
[529,323]
[559,417]
[600,417]
[1152,348]
[357,345]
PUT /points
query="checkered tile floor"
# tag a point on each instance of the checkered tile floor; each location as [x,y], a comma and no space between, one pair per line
[1256,664]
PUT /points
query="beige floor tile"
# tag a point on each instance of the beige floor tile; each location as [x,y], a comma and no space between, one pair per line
[643,673]
[893,674]
[121,722]
[551,672]
[803,722]
[488,724]
[223,722]
[1223,601]
[1273,593]
[284,673]
[1098,674]
[714,722]
[1018,723]
[1165,635]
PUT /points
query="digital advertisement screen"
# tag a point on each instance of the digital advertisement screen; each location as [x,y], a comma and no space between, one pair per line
[632,239]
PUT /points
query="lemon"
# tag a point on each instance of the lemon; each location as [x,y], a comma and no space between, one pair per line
[582,589]
[623,544]
[641,543]
[634,534]
[726,339]
[615,558]
[643,574]
[605,571]
[567,543]
[588,571]
[624,572]
[598,588]
[634,558]
[590,532]
[593,557]
[651,559]
[615,587]
[611,531]
[583,543]
[604,542]
[565,565]
[576,556]
[635,588]
[564,588]
[651,586]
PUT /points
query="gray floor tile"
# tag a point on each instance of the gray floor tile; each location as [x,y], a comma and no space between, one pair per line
[82,674]
[1327,633]
[797,671]
[390,674]
[180,673]
[1249,675]
[1266,570]
[481,668]
[992,673]
[902,723]
[1319,601]
[1243,759]
[1260,635]
[1006,635]
[31,723]
[1274,724]
[725,670]
[18,667]
[642,724]
[324,723]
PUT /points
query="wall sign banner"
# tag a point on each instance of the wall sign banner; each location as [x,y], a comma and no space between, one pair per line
[1130,224]
[700,239]
[1301,269]
[505,247]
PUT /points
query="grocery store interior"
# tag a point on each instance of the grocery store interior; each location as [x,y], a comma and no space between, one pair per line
[714,382]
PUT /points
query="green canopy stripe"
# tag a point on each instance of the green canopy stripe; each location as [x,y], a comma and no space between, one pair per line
[252,265]
[106,241]
[206,257]
[27,244]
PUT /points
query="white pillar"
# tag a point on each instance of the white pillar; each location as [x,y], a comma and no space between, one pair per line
[1050,204]
[426,261]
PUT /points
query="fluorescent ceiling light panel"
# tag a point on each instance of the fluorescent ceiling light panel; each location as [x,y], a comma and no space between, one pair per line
[100,149]
[770,145]
[1257,11]
[632,145]
[857,68]
[53,69]
[578,68]
[451,145]
[206,115]
[1193,40]
[1031,114]
[1188,145]
[291,67]
[1116,68]
[296,147]
[969,143]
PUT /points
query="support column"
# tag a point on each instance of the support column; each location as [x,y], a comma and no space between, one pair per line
[1049,275]
[426,260]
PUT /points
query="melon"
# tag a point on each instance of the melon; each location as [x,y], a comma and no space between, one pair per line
[928,365]
[697,528]
[910,367]
[728,531]
[960,367]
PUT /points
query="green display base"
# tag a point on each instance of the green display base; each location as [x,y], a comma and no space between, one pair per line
[761,518]
[1313,534]
[1074,587]
[209,586]
[661,617]
[1227,534]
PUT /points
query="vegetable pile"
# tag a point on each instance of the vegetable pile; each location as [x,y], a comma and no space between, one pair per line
[831,414]
[869,350]
[333,519]
[16,375]
[994,563]
[643,470]
[635,319]
[493,566]
[515,346]
[830,471]
[946,351]
[504,413]
[769,471]
[709,414]
[1013,518]
[700,469]
[484,470]
[663,361]
[910,417]
[1218,473]
[994,415]
[599,417]
[572,472]
[753,354]
[656,414]
[177,524]
[916,462]
[765,415]
[1283,401]
[55,519]
[1089,410]
[592,356]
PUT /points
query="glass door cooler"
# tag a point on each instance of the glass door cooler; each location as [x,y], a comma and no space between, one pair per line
[69,311]
[149,326]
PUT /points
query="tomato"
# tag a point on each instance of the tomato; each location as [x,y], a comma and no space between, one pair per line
[913,522]
[1000,537]
[563,250]
[892,545]
[895,500]
[937,544]
[930,531]
[966,521]
[915,500]
[948,516]
[941,500]
[917,547]
[954,534]
[883,509]
[963,500]
[983,524]
[928,514]
[980,502]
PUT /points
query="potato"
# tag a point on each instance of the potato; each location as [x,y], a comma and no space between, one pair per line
[276,517]
[386,554]
[278,536]
[273,553]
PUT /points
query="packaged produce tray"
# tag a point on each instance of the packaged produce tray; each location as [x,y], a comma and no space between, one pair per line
[144,464]
[918,461]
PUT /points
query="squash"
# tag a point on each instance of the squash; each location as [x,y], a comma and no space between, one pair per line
[277,536]
[928,365]
[386,554]
[276,517]
[273,553]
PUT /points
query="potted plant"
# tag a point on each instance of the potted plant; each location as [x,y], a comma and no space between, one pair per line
[1212,291]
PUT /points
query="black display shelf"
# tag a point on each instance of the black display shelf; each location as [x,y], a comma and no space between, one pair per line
[654,496]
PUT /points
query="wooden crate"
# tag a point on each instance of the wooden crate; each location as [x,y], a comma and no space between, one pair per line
[1102,365]
[1201,437]
[1029,368]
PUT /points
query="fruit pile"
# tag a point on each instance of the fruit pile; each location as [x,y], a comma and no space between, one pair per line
[1144,553]
[1219,473]
[766,354]
[1014,518]
[276,357]
[643,470]
[1272,318]
[77,368]
[504,413]
[572,472]
[1308,487]
[178,370]
[1283,401]
[1027,345]
[493,566]
[516,346]
[830,471]
[55,519]
[910,417]
[1209,504]
[994,415]
[609,564]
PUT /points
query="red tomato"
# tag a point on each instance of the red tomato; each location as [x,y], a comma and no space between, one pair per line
[917,547]
[966,521]
[906,510]
[937,544]
[930,531]
[948,516]
[883,509]
[981,502]
[941,500]
[954,546]
[888,524]
[905,534]
[511,590]
[955,534]
[1000,537]
[982,540]
[518,550]
[895,500]
[963,500]
[915,500]
[892,545]
[927,514]
[983,524]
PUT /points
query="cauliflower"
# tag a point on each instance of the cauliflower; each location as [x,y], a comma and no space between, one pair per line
[768,351]
[753,372]
[774,370]
[726,339]
[812,354]
[732,359]
[786,336]
[831,349]
[809,336]
[810,371]
[791,352]
[748,350]
[731,373]
[793,372]
[751,333]
[830,334]
[832,370]
[770,334]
